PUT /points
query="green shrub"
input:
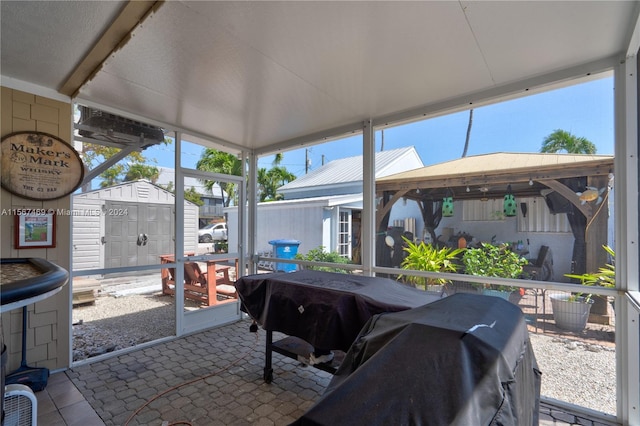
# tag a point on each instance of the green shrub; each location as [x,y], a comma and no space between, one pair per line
[319,255]
[493,261]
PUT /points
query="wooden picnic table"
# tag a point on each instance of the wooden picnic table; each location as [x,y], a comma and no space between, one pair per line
[216,281]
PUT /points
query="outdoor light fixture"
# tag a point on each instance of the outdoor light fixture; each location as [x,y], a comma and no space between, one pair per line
[447,204]
[484,190]
[510,206]
[530,182]
[468,189]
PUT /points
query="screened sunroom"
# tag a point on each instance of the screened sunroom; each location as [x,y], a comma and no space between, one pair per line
[254,79]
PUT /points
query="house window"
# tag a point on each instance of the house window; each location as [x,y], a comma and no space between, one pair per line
[344,234]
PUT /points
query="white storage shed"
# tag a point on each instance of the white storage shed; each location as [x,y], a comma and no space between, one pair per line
[129,224]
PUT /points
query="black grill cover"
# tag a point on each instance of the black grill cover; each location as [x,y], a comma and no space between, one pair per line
[326,309]
[463,360]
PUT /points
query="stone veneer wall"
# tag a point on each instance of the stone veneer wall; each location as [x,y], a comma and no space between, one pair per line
[48,321]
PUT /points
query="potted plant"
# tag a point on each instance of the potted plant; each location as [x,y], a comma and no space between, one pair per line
[571,311]
[490,260]
[606,275]
[426,257]
[221,247]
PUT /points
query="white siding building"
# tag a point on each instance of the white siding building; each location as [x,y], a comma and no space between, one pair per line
[324,207]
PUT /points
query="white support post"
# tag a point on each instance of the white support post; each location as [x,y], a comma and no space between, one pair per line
[627,238]
[249,231]
[368,202]
[179,235]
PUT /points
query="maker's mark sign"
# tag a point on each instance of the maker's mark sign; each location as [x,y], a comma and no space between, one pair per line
[39,166]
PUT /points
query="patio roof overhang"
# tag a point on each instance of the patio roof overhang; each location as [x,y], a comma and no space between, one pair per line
[266,76]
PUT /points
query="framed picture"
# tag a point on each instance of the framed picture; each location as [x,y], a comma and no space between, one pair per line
[35,229]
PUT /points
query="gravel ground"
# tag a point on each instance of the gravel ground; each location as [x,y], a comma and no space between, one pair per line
[116,323]
[590,380]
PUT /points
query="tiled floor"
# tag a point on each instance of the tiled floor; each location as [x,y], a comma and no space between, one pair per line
[208,378]
[61,403]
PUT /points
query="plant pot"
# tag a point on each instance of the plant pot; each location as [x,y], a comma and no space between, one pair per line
[496,293]
[434,288]
[570,315]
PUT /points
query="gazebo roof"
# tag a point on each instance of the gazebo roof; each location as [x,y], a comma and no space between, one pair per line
[488,175]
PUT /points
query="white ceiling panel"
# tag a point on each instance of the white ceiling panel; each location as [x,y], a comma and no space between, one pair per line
[43,41]
[366,44]
[534,40]
[260,73]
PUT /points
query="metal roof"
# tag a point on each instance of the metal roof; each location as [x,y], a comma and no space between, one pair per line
[349,170]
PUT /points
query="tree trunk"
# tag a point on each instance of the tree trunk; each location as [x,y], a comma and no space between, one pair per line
[466,142]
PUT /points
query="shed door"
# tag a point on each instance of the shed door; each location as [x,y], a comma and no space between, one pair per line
[137,233]
[159,230]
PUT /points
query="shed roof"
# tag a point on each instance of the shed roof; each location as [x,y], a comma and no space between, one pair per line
[140,190]
[168,175]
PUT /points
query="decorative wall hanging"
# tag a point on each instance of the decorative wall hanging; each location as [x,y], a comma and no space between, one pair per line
[39,166]
[34,229]
[510,206]
[447,204]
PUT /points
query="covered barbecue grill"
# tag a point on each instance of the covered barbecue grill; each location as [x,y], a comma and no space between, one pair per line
[463,360]
[320,309]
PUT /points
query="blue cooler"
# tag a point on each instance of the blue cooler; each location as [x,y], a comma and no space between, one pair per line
[285,249]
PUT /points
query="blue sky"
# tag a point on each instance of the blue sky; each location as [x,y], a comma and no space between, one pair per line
[519,125]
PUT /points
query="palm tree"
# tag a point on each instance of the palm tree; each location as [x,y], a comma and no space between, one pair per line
[142,171]
[466,141]
[561,140]
[224,163]
[270,180]
[111,176]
